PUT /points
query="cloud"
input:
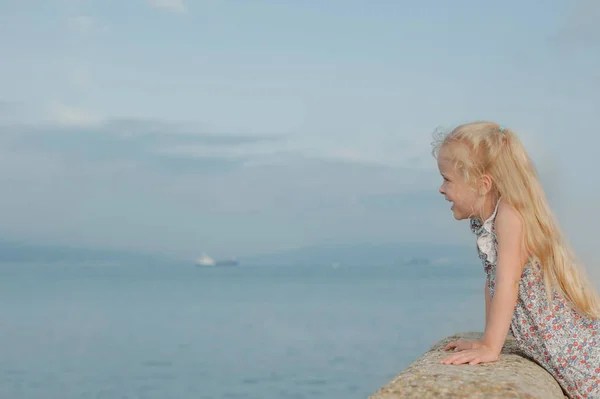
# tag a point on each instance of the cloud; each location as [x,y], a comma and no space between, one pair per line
[71,116]
[79,136]
[84,25]
[16,112]
[169,5]
[414,196]
[163,183]
[77,133]
[391,151]
[6,106]
[378,154]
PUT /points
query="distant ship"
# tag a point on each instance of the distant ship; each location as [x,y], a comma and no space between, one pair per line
[207,261]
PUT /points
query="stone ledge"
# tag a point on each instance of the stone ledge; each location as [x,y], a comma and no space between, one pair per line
[513,376]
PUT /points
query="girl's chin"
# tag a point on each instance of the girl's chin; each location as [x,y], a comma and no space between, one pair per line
[457,214]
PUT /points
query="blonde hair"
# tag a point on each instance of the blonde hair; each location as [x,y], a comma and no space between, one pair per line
[480,148]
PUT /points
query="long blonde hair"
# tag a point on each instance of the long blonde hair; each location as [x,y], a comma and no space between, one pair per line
[486,148]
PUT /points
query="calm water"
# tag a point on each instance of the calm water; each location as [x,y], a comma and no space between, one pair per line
[74,331]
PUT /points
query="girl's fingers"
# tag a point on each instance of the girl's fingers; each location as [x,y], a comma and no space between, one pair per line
[459,358]
[475,361]
[451,359]
[451,345]
[463,359]
[447,359]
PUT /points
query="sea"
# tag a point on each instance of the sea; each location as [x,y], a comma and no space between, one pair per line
[116,331]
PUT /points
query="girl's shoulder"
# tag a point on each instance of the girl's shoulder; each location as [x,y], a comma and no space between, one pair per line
[507,217]
[509,230]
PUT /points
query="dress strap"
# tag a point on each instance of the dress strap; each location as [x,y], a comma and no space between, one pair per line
[477,226]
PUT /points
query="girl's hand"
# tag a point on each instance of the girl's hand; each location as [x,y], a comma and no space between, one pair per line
[479,354]
[459,346]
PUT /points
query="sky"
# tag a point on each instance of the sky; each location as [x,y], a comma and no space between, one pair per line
[244,127]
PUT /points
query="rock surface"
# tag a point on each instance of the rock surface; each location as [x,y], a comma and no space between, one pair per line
[513,376]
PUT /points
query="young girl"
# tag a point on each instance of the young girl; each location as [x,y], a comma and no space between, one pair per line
[533,285]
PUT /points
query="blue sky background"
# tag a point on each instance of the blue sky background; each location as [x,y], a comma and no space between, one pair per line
[241,127]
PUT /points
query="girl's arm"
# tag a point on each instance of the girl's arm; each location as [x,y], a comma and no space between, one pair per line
[499,310]
[511,261]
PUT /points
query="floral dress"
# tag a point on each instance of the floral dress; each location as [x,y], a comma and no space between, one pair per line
[559,339]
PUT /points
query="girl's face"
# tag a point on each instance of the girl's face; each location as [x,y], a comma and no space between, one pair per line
[455,189]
